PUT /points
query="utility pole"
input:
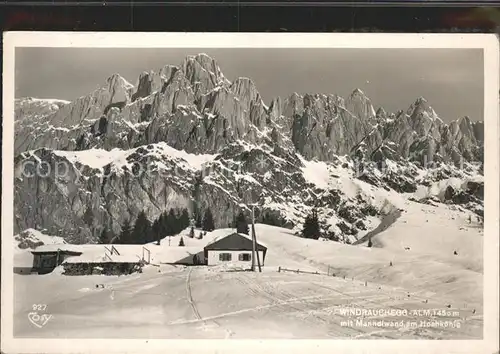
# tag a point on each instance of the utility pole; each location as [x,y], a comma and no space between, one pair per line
[254,237]
[253,244]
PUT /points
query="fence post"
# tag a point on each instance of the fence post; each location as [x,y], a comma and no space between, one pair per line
[298,270]
[279,269]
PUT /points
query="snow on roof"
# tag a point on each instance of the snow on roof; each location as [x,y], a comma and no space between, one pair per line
[61,247]
[23,259]
[221,237]
[256,236]
[176,254]
[102,258]
[97,253]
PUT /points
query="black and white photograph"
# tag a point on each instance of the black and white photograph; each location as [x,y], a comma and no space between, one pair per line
[254,191]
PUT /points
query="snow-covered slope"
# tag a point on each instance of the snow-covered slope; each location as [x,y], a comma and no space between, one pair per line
[420,246]
[118,158]
[429,265]
[31,239]
[289,305]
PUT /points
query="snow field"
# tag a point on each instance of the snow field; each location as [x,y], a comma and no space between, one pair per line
[197,303]
[205,302]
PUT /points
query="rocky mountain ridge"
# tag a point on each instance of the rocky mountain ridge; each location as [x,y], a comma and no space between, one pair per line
[195,108]
[251,152]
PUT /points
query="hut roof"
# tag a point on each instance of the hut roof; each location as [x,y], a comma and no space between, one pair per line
[234,242]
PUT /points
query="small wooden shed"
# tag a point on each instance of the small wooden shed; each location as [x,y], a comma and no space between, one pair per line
[46,259]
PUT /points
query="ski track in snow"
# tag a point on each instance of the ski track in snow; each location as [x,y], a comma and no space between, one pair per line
[229,333]
[288,300]
[189,296]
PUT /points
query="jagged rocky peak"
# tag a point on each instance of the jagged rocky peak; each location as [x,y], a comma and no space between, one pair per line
[360,105]
[119,89]
[337,100]
[400,113]
[168,71]
[276,108]
[203,72]
[464,127]
[309,100]
[148,83]
[250,99]
[115,91]
[424,120]
[178,101]
[421,107]
[206,61]
[295,99]
[357,92]
[293,105]
[381,113]
[245,87]
[464,124]
[318,102]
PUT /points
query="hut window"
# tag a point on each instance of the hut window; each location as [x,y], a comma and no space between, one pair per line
[244,257]
[225,257]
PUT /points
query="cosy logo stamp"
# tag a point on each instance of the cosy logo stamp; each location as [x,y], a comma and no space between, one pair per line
[38,317]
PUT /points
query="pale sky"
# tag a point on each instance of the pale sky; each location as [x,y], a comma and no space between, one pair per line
[452,80]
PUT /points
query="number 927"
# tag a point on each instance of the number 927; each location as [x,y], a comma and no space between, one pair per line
[39,307]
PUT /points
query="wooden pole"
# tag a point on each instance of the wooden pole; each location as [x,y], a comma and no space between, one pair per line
[253,245]
[255,237]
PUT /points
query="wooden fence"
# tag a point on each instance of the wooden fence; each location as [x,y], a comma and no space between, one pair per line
[281,269]
[375,285]
[298,271]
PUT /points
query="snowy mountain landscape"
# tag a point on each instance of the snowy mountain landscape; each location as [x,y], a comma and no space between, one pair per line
[398,197]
